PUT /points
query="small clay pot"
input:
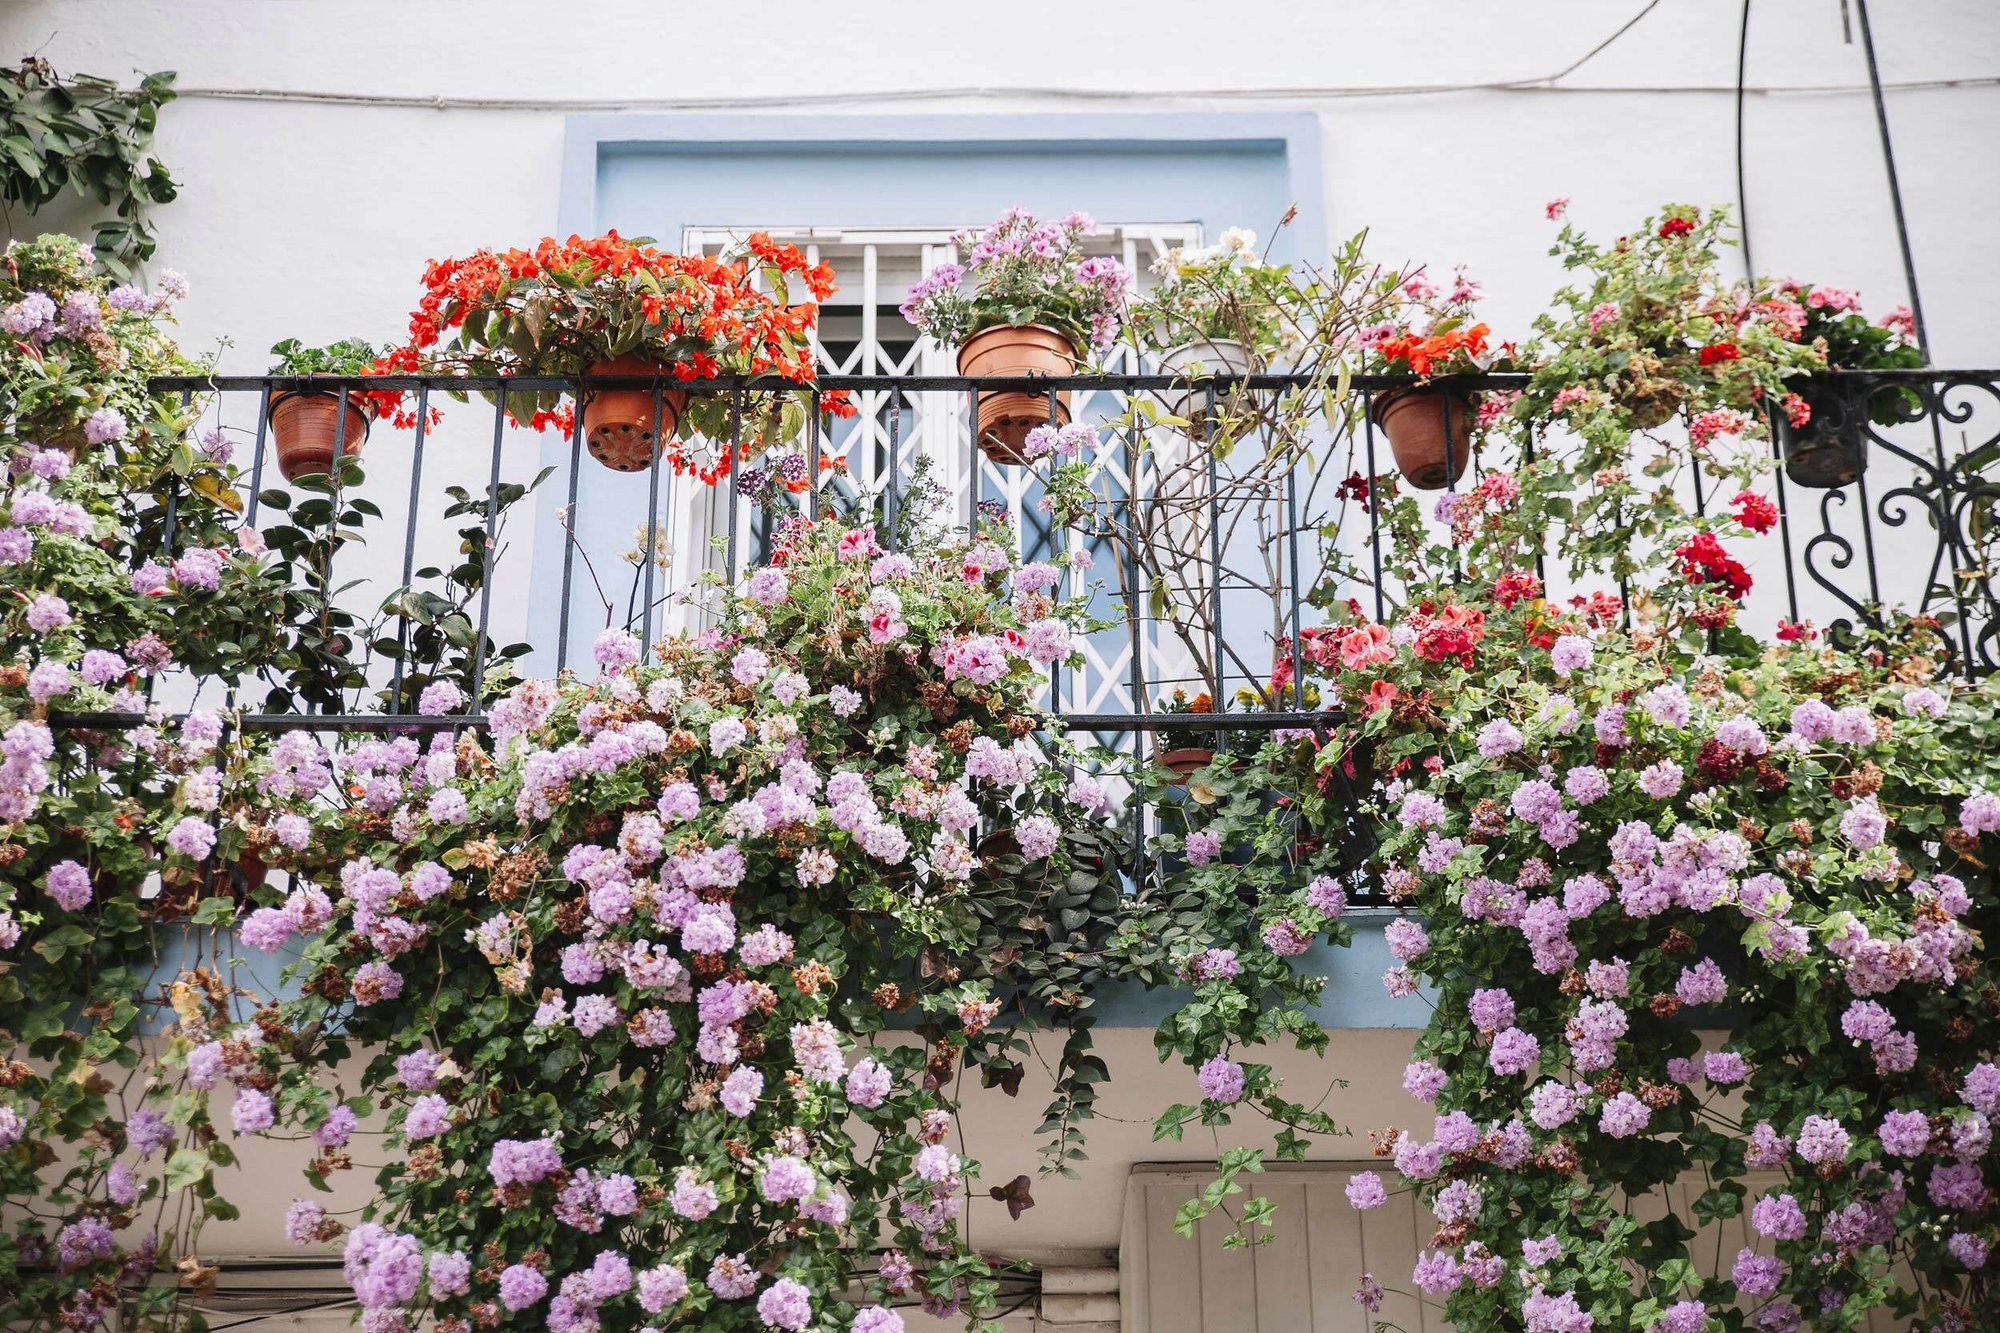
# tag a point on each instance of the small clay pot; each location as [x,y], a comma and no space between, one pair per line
[1185,760]
[1415,421]
[1000,842]
[618,423]
[1824,460]
[305,425]
[1009,350]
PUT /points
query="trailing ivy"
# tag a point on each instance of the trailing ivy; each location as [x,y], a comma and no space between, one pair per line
[87,136]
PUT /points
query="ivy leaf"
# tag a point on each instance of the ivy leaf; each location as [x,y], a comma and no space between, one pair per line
[185,1168]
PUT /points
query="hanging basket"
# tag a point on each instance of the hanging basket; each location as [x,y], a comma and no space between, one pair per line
[305,427]
[618,423]
[1225,358]
[1011,351]
[1831,450]
[1430,431]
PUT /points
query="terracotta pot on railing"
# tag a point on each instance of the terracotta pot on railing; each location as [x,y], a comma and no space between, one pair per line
[1185,760]
[1000,842]
[1005,350]
[305,426]
[618,423]
[1420,422]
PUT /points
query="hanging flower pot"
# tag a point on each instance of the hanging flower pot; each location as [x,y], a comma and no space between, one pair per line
[1421,422]
[306,426]
[1831,450]
[1222,357]
[618,423]
[1006,350]
[1825,456]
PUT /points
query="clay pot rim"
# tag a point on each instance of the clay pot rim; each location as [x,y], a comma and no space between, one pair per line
[354,402]
[1075,348]
[1383,399]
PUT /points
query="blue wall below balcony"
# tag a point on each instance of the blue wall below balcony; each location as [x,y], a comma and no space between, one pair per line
[654,175]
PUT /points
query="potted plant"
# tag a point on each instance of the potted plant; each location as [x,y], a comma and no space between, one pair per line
[612,307]
[1217,311]
[1026,302]
[1658,333]
[1182,749]
[1431,335]
[310,427]
[1826,442]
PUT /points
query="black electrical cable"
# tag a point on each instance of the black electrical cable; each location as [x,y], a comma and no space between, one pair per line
[1895,187]
[1742,194]
[1595,51]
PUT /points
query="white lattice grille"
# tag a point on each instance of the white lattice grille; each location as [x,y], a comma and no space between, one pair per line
[862,333]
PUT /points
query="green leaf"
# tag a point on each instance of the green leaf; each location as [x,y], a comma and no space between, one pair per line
[186,1167]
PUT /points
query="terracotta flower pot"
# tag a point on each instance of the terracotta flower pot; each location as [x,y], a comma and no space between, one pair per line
[1000,842]
[1207,356]
[1415,421]
[618,423]
[1824,459]
[1185,760]
[1005,350]
[305,424]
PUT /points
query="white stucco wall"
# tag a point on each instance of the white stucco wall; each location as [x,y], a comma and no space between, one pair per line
[312,218]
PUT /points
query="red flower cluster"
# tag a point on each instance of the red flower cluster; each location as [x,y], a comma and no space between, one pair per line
[1423,354]
[1673,227]
[1516,585]
[703,306]
[1754,512]
[565,306]
[1453,632]
[1716,353]
[1704,562]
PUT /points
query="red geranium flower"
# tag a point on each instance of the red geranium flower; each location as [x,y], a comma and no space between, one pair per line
[1675,227]
[1754,512]
[1716,352]
[1516,585]
[1705,562]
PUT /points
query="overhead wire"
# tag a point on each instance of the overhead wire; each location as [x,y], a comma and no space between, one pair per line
[1742,193]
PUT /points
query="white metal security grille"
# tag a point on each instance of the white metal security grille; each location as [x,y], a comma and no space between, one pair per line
[862,332]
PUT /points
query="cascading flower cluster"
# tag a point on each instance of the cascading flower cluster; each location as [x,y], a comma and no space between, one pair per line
[1686,917]
[117,840]
[683,903]
[77,350]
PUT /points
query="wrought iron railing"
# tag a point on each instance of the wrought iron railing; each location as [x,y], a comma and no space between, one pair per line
[1889,501]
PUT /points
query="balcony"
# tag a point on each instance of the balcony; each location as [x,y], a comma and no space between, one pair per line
[1903,520]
